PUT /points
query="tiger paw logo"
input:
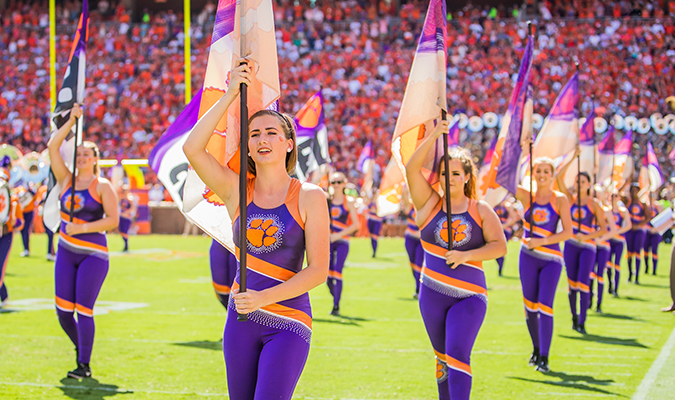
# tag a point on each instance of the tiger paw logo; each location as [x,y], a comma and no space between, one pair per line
[335,212]
[636,209]
[79,202]
[576,211]
[441,371]
[541,216]
[264,233]
[461,231]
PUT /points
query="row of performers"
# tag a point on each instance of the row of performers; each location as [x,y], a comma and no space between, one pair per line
[266,354]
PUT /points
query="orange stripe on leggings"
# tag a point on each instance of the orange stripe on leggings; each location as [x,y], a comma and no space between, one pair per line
[530,305]
[545,309]
[584,288]
[221,289]
[458,365]
[84,310]
[415,267]
[572,284]
[64,305]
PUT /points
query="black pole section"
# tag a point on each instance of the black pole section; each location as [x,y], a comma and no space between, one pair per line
[72,179]
[530,29]
[448,201]
[330,200]
[578,175]
[243,172]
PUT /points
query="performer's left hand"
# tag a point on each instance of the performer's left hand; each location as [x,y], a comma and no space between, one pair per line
[74,229]
[533,243]
[454,258]
[249,301]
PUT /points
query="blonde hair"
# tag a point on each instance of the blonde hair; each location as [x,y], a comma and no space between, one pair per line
[289,129]
[545,161]
[462,155]
[94,148]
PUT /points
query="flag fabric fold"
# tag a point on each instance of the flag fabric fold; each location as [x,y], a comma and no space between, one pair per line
[167,159]
[71,92]
[516,120]
[587,154]
[623,161]
[200,204]
[424,98]
[651,175]
[559,134]
[606,158]
[484,170]
[312,137]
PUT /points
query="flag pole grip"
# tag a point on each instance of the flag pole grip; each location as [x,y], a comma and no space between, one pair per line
[78,133]
[448,201]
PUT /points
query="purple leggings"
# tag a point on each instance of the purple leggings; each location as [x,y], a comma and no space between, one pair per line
[415,251]
[652,242]
[223,270]
[262,363]
[78,279]
[338,256]
[500,260]
[374,229]
[598,274]
[579,262]
[27,228]
[452,325]
[635,243]
[539,280]
[50,239]
[5,247]
[615,251]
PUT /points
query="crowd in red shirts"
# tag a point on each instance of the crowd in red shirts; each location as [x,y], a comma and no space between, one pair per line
[358,52]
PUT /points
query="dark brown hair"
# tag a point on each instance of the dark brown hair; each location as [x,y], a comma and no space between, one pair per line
[462,155]
[288,127]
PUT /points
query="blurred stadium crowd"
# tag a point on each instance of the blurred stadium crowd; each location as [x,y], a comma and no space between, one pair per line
[359,52]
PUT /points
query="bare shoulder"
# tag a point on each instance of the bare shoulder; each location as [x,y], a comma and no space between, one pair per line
[484,208]
[311,194]
[104,184]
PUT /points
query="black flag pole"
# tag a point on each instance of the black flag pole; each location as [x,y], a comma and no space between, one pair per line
[446,165]
[530,29]
[243,170]
[578,171]
[78,134]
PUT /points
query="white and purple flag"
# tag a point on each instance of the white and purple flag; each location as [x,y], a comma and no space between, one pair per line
[651,175]
[559,134]
[587,155]
[623,161]
[514,124]
[312,137]
[606,158]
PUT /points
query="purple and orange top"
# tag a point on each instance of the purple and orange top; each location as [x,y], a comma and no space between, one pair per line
[87,208]
[545,219]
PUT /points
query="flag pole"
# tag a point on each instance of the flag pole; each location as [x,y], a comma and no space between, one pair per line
[578,168]
[530,29]
[52,53]
[187,52]
[78,134]
[448,201]
[595,170]
[243,166]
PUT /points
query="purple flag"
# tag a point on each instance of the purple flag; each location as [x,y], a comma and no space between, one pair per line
[366,154]
[519,124]
[587,131]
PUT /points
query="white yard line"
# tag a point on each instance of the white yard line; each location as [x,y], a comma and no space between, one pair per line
[649,379]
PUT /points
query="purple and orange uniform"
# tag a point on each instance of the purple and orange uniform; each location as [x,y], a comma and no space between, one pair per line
[374,225]
[453,300]
[616,246]
[276,337]
[413,247]
[80,268]
[13,224]
[635,239]
[338,252]
[540,270]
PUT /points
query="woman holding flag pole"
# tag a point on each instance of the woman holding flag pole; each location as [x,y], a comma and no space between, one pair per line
[580,252]
[266,354]
[618,242]
[640,216]
[453,294]
[88,209]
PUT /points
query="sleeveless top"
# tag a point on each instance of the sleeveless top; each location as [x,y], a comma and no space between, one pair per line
[637,215]
[340,217]
[545,219]
[585,214]
[372,213]
[275,253]
[412,230]
[465,280]
[618,220]
[88,208]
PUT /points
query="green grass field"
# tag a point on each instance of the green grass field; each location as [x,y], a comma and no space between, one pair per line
[160,336]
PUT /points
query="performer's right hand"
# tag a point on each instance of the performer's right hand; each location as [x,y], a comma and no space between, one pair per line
[75,112]
[533,243]
[442,127]
[240,74]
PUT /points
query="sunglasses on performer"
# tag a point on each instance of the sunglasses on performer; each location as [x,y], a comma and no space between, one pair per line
[337,182]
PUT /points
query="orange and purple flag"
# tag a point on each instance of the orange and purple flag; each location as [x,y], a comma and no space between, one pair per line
[200,204]
[424,98]
[623,161]
[312,137]
[651,175]
[606,158]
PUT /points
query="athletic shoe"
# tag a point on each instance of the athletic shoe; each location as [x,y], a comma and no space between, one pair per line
[534,359]
[590,302]
[636,281]
[4,302]
[542,366]
[51,257]
[611,288]
[416,296]
[598,310]
[25,253]
[581,329]
[630,276]
[335,312]
[575,322]
[82,371]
